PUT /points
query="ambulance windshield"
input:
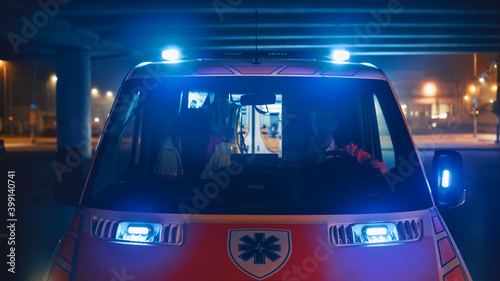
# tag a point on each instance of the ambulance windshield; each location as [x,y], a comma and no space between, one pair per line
[324,146]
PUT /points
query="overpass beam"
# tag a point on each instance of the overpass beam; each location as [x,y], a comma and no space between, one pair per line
[73,100]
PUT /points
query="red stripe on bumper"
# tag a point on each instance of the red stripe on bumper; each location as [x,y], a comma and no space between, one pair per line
[68,248]
[58,274]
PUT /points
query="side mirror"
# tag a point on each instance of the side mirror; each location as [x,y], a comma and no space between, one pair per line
[68,168]
[447,179]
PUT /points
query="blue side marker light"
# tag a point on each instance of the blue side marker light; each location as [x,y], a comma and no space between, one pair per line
[445,180]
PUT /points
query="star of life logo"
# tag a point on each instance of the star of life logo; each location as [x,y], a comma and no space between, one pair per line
[259,252]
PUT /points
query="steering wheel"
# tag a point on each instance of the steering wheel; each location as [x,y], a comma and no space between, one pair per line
[343,175]
[333,154]
[348,160]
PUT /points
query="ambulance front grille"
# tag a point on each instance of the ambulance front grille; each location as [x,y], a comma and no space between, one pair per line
[173,234]
[104,228]
[408,230]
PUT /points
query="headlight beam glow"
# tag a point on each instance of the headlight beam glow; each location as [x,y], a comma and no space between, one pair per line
[138,230]
[376,230]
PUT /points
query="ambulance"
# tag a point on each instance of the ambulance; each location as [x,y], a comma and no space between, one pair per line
[204,171]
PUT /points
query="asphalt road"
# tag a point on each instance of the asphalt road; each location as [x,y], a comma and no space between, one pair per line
[41,221]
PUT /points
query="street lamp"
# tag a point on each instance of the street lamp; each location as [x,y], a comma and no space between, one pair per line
[494,64]
[5,93]
[51,93]
[430,89]
[473,89]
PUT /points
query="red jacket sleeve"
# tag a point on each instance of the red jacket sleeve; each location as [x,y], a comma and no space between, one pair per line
[364,157]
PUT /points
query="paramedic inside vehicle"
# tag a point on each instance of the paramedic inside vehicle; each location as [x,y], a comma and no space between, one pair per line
[324,123]
[192,149]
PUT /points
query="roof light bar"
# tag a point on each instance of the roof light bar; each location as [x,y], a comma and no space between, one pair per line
[245,54]
[170,55]
[341,55]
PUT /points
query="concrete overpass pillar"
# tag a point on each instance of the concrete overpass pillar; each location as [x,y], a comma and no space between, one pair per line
[73,100]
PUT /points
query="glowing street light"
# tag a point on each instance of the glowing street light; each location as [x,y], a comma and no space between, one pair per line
[472,88]
[466,98]
[481,80]
[430,89]
[109,94]
[494,88]
[94,92]
[5,95]
[54,78]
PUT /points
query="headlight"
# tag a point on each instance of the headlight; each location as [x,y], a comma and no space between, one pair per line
[138,232]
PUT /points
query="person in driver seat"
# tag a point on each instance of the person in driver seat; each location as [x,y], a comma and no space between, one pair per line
[324,124]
